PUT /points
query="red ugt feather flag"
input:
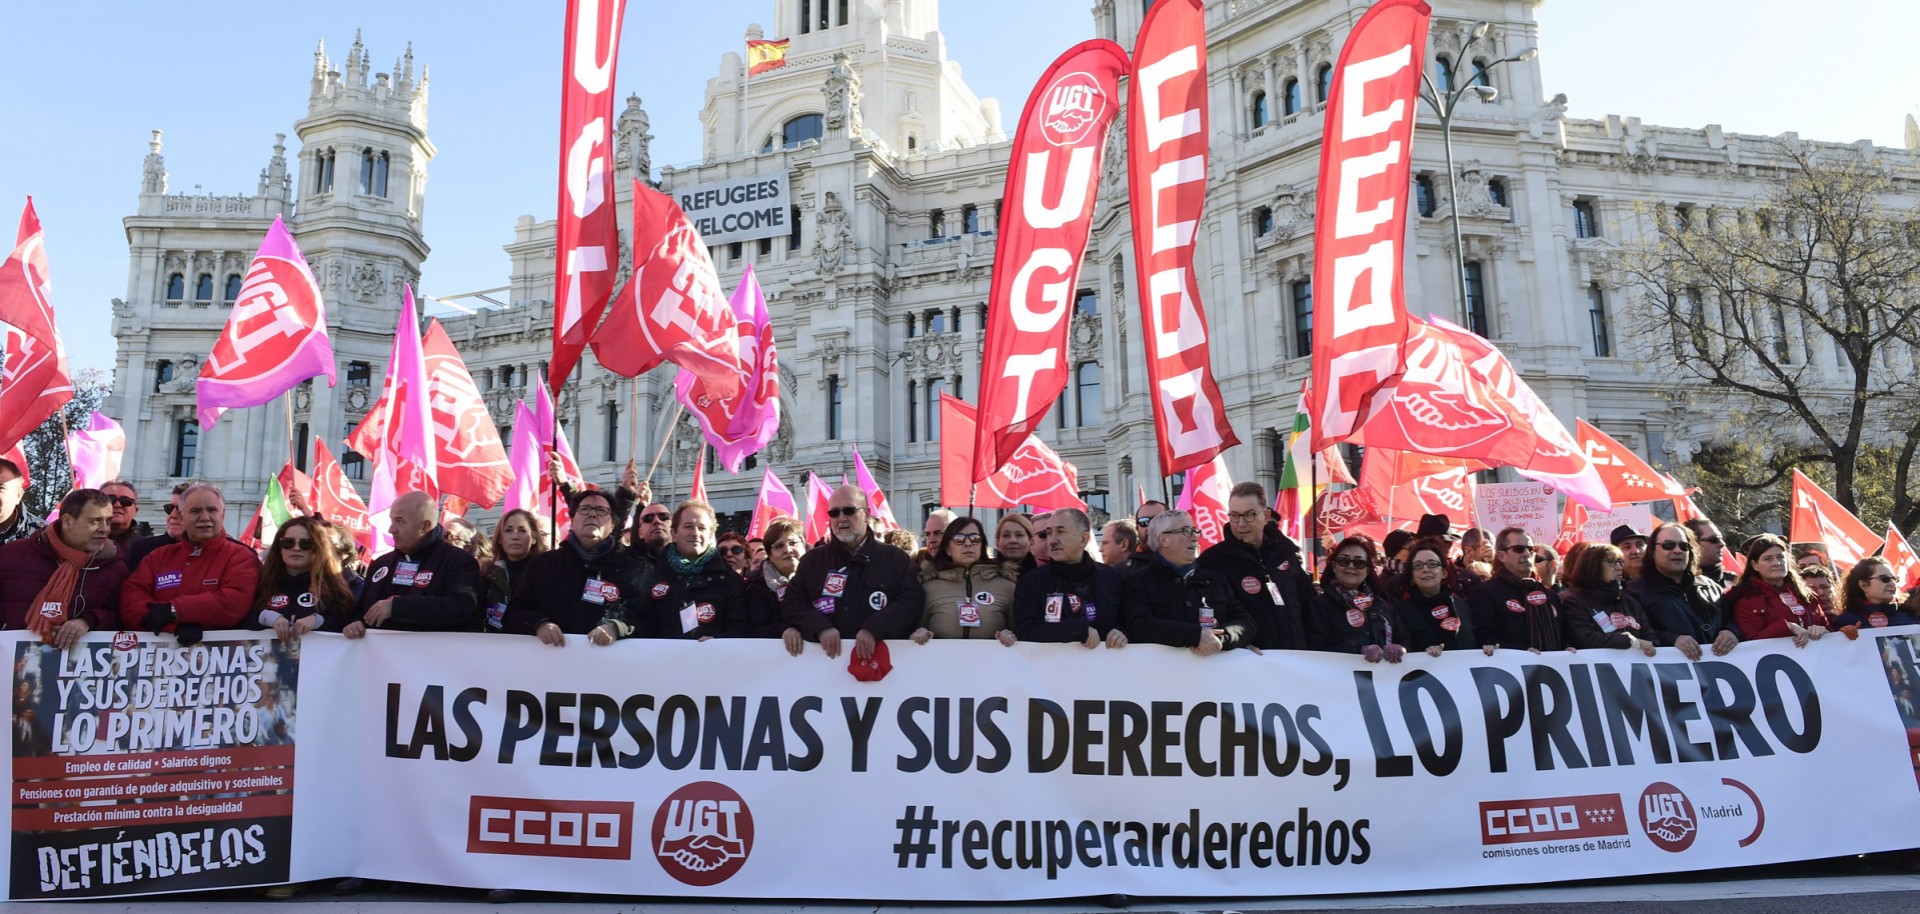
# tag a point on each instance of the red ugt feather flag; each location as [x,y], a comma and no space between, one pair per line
[335,498]
[587,246]
[275,337]
[1818,518]
[468,455]
[35,382]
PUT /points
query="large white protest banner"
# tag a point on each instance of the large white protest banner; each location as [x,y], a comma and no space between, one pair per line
[972,771]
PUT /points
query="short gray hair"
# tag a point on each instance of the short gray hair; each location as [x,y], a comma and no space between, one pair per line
[1079,518]
[188,492]
[1163,522]
[942,513]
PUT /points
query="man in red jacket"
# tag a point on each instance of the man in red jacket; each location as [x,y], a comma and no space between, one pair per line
[65,580]
[204,582]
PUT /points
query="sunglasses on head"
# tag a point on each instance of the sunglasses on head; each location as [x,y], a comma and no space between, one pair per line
[303,544]
[842,512]
[1351,561]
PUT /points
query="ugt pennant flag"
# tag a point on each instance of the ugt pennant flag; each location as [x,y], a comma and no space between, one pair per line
[1046,217]
[335,499]
[740,424]
[276,335]
[1033,477]
[586,251]
[775,501]
[34,383]
[671,309]
[468,455]
[1167,184]
[96,451]
[1360,220]
[1819,518]
[1204,497]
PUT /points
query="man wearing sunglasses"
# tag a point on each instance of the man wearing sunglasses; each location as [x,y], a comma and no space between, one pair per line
[856,586]
[1514,609]
[1263,568]
[121,528]
[1713,552]
[1683,605]
[140,548]
[652,530]
[15,523]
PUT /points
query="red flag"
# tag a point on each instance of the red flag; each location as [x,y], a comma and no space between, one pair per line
[587,238]
[1360,305]
[33,386]
[1047,216]
[699,490]
[1573,524]
[1403,486]
[18,458]
[1167,186]
[1628,478]
[818,495]
[471,461]
[672,309]
[1435,405]
[35,382]
[1900,556]
[1818,518]
[1685,510]
[740,425]
[1343,510]
[775,502]
[275,336]
[335,498]
[1034,476]
[1204,498]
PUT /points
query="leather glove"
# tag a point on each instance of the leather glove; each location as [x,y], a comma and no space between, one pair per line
[159,616]
[188,633]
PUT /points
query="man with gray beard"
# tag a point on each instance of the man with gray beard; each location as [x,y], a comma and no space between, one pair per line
[856,586]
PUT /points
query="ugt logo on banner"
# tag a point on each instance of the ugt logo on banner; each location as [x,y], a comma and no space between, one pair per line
[703,833]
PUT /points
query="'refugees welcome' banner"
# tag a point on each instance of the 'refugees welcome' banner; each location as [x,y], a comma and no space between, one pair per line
[972,771]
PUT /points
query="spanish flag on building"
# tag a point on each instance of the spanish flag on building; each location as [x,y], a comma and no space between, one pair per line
[766,55]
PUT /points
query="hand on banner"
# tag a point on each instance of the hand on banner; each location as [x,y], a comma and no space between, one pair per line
[1372,653]
[1803,635]
[1488,649]
[1638,644]
[550,635]
[922,635]
[1210,642]
[1006,637]
[354,630]
[1093,639]
[863,645]
[1395,653]
[378,614]
[602,635]
[287,629]
[794,641]
[69,633]
[1723,645]
[830,642]
[158,617]
[1435,651]
[1116,639]
[1851,631]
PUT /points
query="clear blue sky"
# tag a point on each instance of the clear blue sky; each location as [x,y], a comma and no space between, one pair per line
[86,81]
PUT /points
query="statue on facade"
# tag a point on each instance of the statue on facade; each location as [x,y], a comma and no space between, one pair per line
[843,96]
[153,173]
[833,236]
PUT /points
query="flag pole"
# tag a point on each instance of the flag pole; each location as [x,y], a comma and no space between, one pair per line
[678,408]
[553,494]
[66,446]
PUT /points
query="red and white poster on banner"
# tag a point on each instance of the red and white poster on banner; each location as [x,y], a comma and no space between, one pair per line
[1360,221]
[1045,220]
[1167,185]
[587,236]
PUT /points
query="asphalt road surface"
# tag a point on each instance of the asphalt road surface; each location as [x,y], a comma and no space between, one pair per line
[1875,885]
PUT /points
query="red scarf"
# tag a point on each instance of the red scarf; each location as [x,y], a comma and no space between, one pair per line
[49,609]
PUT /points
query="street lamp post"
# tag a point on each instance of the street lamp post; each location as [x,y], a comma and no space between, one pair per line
[1443,105]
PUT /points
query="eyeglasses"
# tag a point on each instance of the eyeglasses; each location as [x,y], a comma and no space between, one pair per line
[1184,531]
[1042,534]
[1351,561]
[1242,516]
[966,539]
[733,550]
[1428,565]
[171,509]
[1882,578]
[1517,549]
[1616,563]
[304,545]
[122,501]
[660,517]
[842,512]
[592,512]
[1671,545]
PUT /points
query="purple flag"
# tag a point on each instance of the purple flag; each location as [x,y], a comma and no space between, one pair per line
[96,451]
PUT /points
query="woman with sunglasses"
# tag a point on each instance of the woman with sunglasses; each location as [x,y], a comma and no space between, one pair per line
[302,587]
[767,583]
[1352,615]
[1770,601]
[1013,541]
[1599,610]
[969,595]
[1867,599]
[1434,615]
[517,538]
[734,551]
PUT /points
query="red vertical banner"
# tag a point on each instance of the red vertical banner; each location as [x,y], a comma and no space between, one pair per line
[1167,184]
[1045,220]
[1360,221]
[587,246]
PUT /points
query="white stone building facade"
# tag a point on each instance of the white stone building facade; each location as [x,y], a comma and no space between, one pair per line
[879,295]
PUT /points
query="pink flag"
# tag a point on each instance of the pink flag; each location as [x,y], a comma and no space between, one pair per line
[775,501]
[276,335]
[96,451]
[877,508]
[1204,497]
[739,425]
[525,460]
[817,497]
[410,416]
[533,440]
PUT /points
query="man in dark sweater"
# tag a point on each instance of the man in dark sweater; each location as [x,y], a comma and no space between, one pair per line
[1262,567]
[855,586]
[1072,598]
[1175,602]
[424,584]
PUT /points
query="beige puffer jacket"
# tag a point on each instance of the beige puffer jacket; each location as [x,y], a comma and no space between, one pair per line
[987,585]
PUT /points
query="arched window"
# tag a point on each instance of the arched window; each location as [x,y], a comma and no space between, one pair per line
[800,129]
[1262,221]
[381,166]
[176,287]
[1292,97]
[1423,194]
[233,289]
[1481,76]
[1087,394]
[1443,73]
[1323,83]
[1497,191]
[366,171]
[186,447]
[203,288]
[1259,110]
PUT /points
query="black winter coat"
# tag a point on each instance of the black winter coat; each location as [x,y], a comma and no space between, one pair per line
[1678,608]
[877,588]
[442,596]
[1597,618]
[763,605]
[1164,605]
[1086,589]
[1876,617]
[1345,627]
[1442,619]
[1520,615]
[708,603]
[1257,577]
[578,592]
[293,598]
